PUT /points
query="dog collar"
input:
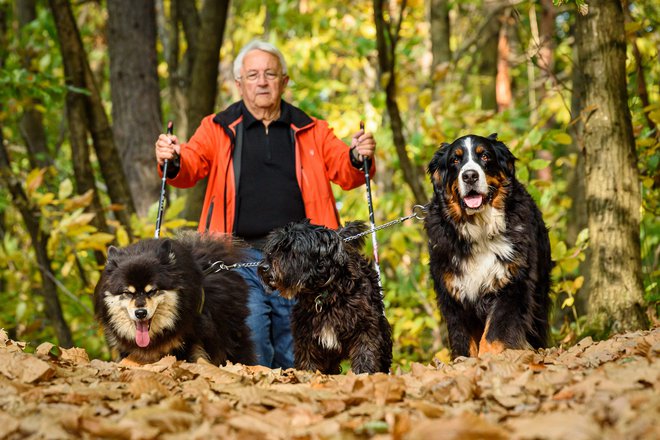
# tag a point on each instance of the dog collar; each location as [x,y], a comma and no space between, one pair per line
[318,301]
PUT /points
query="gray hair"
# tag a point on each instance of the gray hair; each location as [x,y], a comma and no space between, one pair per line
[257,45]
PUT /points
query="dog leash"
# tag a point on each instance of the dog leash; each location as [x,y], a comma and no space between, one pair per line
[219,265]
[372,220]
[418,213]
[161,201]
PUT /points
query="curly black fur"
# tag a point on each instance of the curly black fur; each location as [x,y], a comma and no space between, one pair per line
[489,248]
[339,313]
[158,285]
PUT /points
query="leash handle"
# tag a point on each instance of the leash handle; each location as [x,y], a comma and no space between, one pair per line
[161,200]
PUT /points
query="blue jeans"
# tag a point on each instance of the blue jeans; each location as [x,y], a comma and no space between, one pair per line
[269,319]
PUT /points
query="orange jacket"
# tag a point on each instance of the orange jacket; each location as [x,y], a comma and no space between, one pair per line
[321,158]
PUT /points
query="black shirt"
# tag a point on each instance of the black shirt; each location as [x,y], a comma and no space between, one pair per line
[268,193]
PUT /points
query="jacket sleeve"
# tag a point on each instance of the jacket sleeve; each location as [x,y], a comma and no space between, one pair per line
[197,154]
[336,155]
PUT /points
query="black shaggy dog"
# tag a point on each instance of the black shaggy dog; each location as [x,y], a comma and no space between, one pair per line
[339,313]
[153,299]
[489,249]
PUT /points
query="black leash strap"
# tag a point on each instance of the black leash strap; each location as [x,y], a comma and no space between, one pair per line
[161,201]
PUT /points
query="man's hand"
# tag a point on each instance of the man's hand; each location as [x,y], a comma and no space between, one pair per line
[167,148]
[363,145]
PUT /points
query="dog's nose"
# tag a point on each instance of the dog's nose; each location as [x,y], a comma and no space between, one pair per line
[141,313]
[470,176]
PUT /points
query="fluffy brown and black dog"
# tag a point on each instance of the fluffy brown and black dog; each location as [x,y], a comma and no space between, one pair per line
[153,299]
[339,312]
[489,248]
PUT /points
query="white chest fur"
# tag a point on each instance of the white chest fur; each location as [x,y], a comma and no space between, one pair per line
[328,338]
[486,270]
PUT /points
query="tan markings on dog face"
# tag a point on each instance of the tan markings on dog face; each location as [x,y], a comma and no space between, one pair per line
[162,310]
[130,289]
[328,338]
[479,149]
[501,192]
[459,152]
[453,203]
[166,312]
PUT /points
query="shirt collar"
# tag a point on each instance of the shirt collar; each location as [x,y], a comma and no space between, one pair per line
[249,119]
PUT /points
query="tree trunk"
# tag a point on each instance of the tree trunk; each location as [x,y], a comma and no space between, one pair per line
[440,34]
[204,83]
[76,111]
[387,35]
[39,239]
[488,52]
[31,123]
[136,111]
[90,115]
[612,181]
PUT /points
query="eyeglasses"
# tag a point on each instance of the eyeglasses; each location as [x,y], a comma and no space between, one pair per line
[253,75]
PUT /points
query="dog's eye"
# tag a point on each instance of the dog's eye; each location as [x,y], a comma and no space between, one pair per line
[455,160]
[485,157]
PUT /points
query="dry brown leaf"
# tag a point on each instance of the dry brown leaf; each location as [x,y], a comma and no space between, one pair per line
[556,426]
[25,368]
[75,355]
[44,349]
[463,427]
[8,424]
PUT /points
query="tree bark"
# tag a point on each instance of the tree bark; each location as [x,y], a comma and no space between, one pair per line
[39,239]
[31,122]
[488,53]
[387,35]
[440,34]
[204,83]
[90,112]
[612,180]
[136,111]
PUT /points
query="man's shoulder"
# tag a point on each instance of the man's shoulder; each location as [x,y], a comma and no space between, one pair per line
[299,118]
[229,115]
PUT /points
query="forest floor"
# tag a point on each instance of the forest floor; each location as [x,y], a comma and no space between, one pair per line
[593,390]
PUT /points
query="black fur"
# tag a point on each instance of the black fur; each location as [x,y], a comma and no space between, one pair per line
[489,249]
[193,315]
[338,297]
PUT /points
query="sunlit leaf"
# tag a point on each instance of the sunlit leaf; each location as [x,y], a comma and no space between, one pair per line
[65,190]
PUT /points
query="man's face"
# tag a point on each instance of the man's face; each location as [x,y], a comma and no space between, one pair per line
[262,83]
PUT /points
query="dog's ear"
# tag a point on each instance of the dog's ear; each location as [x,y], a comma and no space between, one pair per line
[492,136]
[331,250]
[505,159]
[437,168]
[113,255]
[165,253]
[352,229]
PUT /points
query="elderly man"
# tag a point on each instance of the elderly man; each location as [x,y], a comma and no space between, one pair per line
[268,163]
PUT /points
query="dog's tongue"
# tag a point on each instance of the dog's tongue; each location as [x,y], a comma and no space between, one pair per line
[473,201]
[142,333]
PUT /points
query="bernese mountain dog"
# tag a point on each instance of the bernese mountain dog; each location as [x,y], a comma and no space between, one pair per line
[489,249]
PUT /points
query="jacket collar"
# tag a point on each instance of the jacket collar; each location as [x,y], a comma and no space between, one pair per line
[228,117]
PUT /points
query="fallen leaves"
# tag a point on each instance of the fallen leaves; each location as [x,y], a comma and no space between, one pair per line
[606,389]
